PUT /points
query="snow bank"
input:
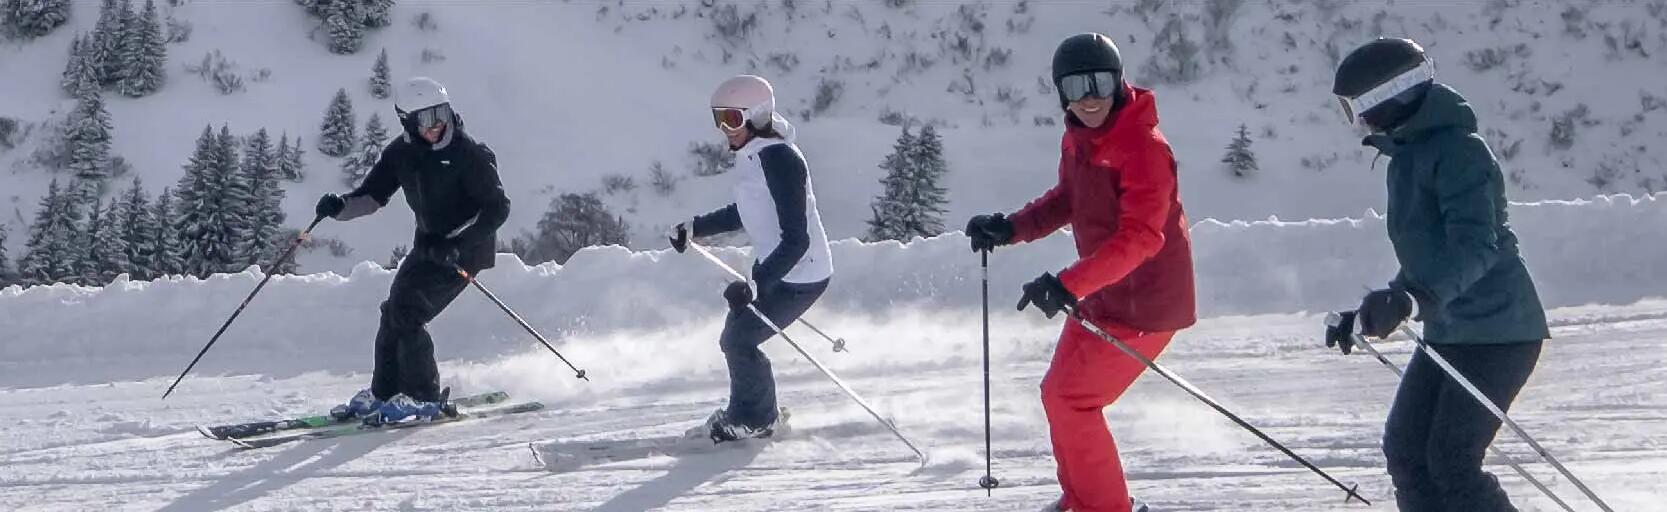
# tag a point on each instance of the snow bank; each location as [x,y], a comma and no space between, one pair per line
[629,306]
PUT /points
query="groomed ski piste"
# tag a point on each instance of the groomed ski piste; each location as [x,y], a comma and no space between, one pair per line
[82,370]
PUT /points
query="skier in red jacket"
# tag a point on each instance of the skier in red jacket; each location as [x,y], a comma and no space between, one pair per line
[1117,190]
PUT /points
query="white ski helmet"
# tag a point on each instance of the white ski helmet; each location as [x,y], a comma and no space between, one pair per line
[752,94]
[419,93]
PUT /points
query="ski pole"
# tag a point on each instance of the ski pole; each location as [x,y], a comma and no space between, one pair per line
[838,344]
[989,482]
[1500,413]
[1352,491]
[530,330]
[288,253]
[818,364]
[1336,320]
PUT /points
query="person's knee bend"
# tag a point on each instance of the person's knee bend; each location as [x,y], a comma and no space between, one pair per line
[401,316]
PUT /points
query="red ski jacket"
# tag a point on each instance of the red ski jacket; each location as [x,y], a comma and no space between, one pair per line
[1117,189]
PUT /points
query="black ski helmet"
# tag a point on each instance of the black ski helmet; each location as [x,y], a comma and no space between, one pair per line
[1086,52]
[1383,82]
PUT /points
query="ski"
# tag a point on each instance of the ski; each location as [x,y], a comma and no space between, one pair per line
[351,429]
[251,429]
[569,456]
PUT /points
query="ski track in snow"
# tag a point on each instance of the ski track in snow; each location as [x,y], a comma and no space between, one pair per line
[1598,401]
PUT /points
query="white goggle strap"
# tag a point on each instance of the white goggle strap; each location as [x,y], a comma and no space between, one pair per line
[1353,107]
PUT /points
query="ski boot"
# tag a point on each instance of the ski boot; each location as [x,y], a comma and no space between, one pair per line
[402,409]
[361,405]
[720,429]
[1059,506]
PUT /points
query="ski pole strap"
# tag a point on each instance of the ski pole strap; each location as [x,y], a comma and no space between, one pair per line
[1500,413]
[1352,491]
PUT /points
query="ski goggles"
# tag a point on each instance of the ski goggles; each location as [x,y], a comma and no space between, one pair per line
[1354,107]
[1099,84]
[729,119]
[428,118]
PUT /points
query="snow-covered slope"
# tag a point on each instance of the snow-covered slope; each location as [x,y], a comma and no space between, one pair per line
[569,92]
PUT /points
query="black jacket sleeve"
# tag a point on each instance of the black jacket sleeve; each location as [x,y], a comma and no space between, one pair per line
[383,179]
[484,186]
[785,175]
[719,221]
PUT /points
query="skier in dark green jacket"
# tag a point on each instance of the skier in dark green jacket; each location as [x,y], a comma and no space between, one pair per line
[1461,275]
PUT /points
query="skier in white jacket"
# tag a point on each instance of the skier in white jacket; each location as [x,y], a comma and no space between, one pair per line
[776,206]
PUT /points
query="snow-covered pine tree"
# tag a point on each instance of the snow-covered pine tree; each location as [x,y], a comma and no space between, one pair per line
[358,164]
[237,197]
[378,13]
[1239,159]
[5,265]
[75,69]
[28,19]
[290,165]
[104,253]
[266,218]
[169,256]
[380,85]
[336,133]
[207,218]
[345,22]
[911,202]
[51,255]
[106,39]
[87,136]
[144,55]
[139,230]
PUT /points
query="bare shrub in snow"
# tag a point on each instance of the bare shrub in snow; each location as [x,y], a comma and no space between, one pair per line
[425,22]
[1489,58]
[9,132]
[1563,126]
[179,31]
[1174,57]
[1574,21]
[711,158]
[732,26]
[1604,176]
[997,58]
[615,183]
[1218,23]
[1630,40]
[1503,145]
[1650,102]
[784,61]
[433,55]
[891,117]
[828,92]
[220,72]
[896,4]
[661,180]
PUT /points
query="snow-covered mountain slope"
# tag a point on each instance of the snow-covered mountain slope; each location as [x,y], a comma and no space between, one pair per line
[570,92]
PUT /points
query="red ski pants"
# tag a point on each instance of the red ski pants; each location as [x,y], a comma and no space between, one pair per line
[1088,374]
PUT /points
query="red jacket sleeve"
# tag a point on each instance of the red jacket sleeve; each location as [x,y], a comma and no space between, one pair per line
[1044,215]
[1148,191]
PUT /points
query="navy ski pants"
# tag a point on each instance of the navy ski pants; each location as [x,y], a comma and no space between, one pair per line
[752,386]
[404,351]
[1437,432]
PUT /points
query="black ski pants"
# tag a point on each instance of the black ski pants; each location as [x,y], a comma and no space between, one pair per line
[752,385]
[404,351]
[1437,433]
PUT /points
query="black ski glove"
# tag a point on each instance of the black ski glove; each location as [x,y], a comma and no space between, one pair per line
[680,238]
[989,231]
[330,206]
[739,294]
[1341,335]
[437,249]
[1383,311]
[1048,294]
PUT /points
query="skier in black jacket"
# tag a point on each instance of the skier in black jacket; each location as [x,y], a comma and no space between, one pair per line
[451,183]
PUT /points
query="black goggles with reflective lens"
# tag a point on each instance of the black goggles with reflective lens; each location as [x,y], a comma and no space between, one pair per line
[1099,84]
[430,117]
